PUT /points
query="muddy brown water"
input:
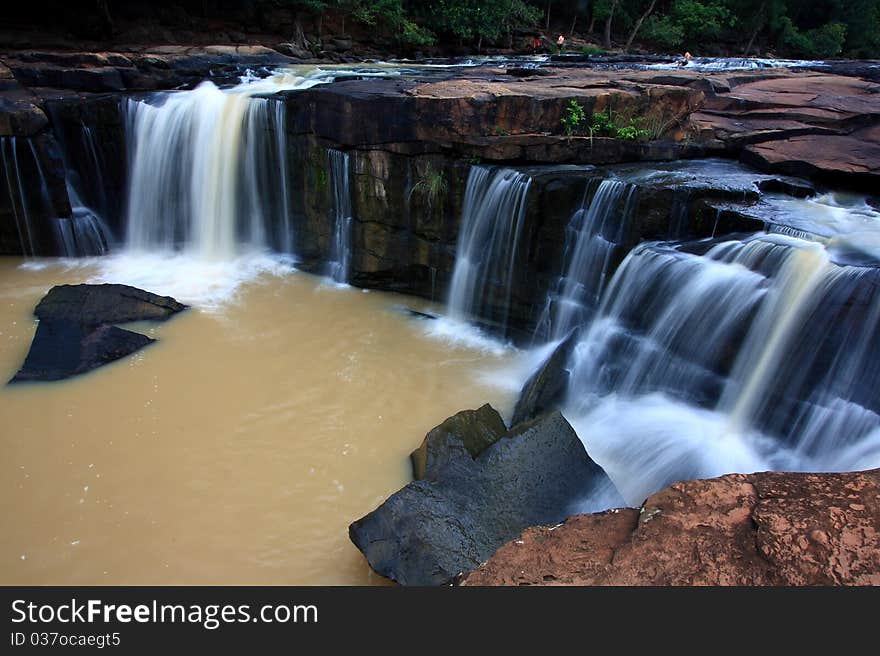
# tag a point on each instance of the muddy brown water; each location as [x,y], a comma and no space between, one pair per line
[235,450]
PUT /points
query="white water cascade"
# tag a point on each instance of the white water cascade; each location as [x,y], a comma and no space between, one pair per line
[208,169]
[85,232]
[594,237]
[758,354]
[341,215]
[488,243]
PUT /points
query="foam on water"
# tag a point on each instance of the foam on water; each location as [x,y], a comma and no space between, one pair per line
[735,64]
[648,442]
[459,333]
[206,284]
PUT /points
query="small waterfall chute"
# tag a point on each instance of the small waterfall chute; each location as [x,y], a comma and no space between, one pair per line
[594,239]
[339,188]
[18,194]
[488,243]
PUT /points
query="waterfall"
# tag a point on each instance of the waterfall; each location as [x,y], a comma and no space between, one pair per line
[85,232]
[594,238]
[340,215]
[208,169]
[757,354]
[18,194]
[488,243]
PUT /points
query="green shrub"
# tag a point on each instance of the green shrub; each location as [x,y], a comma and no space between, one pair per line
[688,23]
[607,123]
[592,50]
[663,31]
[431,185]
[574,118]
[819,43]
[415,37]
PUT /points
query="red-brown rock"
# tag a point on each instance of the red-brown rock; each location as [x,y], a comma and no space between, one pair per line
[757,529]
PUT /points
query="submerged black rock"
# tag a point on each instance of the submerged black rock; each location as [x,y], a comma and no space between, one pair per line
[76,332]
[435,528]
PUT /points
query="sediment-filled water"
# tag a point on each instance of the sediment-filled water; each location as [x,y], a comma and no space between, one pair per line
[236,449]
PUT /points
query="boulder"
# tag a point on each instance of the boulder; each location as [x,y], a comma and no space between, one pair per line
[851,159]
[545,390]
[433,529]
[469,431]
[76,334]
[19,116]
[760,529]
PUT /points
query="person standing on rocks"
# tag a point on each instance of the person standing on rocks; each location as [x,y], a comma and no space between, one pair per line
[560,44]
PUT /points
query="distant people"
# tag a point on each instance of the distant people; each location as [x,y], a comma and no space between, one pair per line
[686,59]
[536,45]
[560,44]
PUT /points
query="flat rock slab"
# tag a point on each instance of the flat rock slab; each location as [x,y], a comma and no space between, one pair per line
[759,529]
[434,529]
[76,331]
[856,155]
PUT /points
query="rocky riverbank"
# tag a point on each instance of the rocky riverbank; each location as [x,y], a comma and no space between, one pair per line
[477,485]
[757,529]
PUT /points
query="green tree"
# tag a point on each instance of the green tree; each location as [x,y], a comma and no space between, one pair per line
[479,20]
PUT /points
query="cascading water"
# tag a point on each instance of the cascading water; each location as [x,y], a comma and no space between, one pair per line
[341,215]
[85,232]
[208,169]
[754,355]
[18,195]
[488,241]
[594,237]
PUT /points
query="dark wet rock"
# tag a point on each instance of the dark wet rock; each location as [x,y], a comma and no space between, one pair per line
[469,431]
[75,333]
[545,390]
[421,315]
[518,71]
[433,529]
[789,186]
[95,305]
[758,529]
[20,116]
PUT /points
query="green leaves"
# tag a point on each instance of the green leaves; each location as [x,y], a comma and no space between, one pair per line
[481,19]
[607,123]
[574,118]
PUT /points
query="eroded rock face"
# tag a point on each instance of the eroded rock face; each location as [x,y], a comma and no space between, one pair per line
[76,332]
[758,529]
[468,431]
[435,528]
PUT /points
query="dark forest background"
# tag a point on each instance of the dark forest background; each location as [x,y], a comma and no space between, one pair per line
[790,28]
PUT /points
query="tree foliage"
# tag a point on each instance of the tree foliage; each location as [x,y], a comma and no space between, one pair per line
[793,28]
